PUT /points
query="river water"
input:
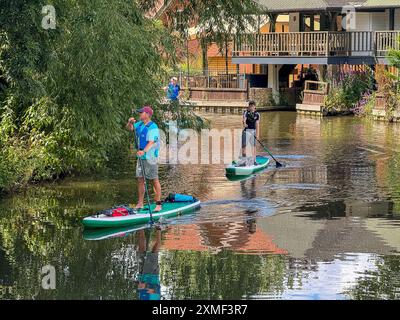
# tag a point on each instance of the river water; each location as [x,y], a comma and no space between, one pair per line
[326,226]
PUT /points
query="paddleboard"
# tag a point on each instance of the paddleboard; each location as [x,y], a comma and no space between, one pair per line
[109,233]
[235,170]
[169,209]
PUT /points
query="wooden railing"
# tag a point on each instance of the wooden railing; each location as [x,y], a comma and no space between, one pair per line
[221,81]
[323,43]
[315,92]
[227,94]
[385,40]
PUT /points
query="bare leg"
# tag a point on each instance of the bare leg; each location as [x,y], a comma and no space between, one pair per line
[140,193]
[142,241]
[157,191]
[244,143]
[244,152]
[157,243]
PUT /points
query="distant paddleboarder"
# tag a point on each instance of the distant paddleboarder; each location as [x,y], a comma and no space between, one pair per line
[251,123]
[173,90]
[148,136]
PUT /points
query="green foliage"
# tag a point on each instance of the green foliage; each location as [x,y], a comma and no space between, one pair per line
[42,227]
[278,99]
[390,91]
[66,94]
[226,275]
[390,85]
[379,284]
[368,103]
[349,90]
[394,58]
[336,100]
[184,117]
[217,21]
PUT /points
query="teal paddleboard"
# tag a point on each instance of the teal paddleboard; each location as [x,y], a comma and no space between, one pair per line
[169,210]
[235,170]
[109,233]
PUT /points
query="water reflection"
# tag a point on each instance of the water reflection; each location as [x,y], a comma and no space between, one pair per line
[325,226]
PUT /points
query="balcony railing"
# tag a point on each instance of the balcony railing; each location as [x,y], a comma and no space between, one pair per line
[322,44]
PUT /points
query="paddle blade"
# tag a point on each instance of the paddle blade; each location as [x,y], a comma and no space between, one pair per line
[279,165]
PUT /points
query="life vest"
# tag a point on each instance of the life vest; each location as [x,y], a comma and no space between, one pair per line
[251,119]
[141,133]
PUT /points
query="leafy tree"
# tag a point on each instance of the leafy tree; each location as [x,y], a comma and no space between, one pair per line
[216,21]
[226,275]
[394,58]
[381,283]
[67,93]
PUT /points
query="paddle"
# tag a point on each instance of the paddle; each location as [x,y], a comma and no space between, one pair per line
[278,164]
[144,176]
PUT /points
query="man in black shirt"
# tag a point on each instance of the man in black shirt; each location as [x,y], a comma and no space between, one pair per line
[251,122]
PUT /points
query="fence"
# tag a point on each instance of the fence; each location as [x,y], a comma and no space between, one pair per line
[318,43]
[212,79]
[315,92]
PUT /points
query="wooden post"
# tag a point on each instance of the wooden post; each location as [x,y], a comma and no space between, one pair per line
[272,21]
[391,19]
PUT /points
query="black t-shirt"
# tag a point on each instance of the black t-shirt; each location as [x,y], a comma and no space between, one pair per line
[251,119]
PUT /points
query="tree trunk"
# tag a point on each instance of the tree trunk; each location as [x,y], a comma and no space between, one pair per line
[204,48]
[272,22]
[226,57]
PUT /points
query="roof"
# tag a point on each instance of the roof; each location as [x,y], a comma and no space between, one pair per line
[213,238]
[304,5]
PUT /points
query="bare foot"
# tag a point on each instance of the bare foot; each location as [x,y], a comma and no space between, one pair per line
[158,208]
[139,206]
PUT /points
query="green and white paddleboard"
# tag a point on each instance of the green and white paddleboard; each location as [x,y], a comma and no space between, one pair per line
[234,170]
[170,209]
[110,233]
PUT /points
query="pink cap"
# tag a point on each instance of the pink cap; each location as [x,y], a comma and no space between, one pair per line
[146,109]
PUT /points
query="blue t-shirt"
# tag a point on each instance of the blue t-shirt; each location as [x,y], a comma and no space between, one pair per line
[173,91]
[145,134]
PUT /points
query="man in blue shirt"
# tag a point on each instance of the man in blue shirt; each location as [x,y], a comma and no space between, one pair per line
[148,145]
[173,90]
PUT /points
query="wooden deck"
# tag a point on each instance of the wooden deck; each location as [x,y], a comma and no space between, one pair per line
[218,94]
[315,93]
[226,107]
[323,44]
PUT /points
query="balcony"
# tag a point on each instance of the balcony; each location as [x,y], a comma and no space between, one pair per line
[324,47]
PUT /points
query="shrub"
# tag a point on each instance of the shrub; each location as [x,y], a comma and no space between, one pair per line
[348,89]
[390,90]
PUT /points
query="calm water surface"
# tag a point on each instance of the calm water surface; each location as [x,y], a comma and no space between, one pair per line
[326,226]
